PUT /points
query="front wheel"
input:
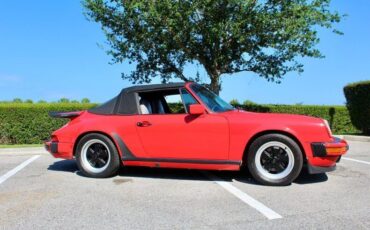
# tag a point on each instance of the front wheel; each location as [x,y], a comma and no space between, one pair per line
[97,156]
[274,159]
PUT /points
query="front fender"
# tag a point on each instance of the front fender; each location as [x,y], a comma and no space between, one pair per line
[243,133]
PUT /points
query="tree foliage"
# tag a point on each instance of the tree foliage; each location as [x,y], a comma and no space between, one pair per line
[223,36]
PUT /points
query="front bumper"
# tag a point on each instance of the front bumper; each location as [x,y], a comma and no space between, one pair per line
[327,149]
[317,169]
[325,155]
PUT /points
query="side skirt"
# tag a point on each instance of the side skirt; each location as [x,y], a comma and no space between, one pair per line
[183,165]
[188,161]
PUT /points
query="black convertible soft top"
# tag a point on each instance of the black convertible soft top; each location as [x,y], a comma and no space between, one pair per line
[127,101]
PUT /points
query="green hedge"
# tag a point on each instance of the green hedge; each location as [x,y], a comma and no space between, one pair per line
[337,116]
[358,104]
[22,123]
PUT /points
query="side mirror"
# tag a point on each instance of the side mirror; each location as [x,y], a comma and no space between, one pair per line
[196,109]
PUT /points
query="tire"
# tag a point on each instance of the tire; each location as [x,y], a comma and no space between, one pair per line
[97,156]
[274,159]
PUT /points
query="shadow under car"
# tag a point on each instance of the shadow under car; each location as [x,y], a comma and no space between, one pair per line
[185,174]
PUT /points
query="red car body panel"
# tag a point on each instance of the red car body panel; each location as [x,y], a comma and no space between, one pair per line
[214,141]
[186,136]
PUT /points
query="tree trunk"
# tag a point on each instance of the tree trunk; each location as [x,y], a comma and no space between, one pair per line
[215,83]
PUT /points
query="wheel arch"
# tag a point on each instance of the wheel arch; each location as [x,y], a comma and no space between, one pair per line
[97,132]
[265,132]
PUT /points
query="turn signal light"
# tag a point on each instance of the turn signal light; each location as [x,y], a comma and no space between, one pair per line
[336,150]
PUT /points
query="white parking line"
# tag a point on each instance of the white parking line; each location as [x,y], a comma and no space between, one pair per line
[267,212]
[359,161]
[17,169]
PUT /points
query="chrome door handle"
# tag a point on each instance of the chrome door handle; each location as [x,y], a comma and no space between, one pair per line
[143,124]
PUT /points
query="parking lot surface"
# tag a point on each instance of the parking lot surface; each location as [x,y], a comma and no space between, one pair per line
[38,191]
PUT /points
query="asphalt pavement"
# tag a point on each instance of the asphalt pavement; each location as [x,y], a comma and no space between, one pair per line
[38,191]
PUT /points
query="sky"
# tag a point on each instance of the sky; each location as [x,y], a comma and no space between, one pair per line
[49,50]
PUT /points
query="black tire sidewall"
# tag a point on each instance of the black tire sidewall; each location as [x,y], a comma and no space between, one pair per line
[113,164]
[297,153]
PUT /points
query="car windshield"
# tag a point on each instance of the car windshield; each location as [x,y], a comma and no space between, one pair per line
[212,101]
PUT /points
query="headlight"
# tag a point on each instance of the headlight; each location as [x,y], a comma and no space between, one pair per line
[327,127]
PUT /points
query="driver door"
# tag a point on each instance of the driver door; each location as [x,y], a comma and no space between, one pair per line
[179,135]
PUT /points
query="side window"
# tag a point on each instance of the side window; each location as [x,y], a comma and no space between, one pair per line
[174,104]
[161,102]
[187,99]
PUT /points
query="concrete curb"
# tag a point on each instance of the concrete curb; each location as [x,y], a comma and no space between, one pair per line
[354,138]
[22,150]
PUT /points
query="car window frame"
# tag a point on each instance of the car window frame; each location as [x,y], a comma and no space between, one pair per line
[159,114]
[183,101]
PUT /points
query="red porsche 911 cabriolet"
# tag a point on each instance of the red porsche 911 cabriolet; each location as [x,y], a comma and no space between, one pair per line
[140,128]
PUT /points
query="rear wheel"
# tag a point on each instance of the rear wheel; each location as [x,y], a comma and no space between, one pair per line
[274,159]
[97,156]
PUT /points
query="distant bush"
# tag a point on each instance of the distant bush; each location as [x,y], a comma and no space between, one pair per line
[176,107]
[251,106]
[234,102]
[358,104]
[248,102]
[85,100]
[63,100]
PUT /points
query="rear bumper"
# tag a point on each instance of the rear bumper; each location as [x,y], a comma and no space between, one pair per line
[51,147]
[59,149]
